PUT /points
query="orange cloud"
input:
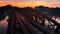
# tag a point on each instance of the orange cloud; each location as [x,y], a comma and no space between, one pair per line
[2,4]
[31,4]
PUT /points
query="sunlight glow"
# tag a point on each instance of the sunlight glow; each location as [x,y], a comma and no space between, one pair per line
[31,4]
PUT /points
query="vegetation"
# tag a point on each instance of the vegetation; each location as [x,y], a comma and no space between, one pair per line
[38,11]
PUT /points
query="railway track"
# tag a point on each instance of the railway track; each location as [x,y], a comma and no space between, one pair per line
[24,25]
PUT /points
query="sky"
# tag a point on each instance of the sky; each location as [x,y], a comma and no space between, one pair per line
[31,3]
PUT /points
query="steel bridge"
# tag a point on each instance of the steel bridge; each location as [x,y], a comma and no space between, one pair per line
[20,24]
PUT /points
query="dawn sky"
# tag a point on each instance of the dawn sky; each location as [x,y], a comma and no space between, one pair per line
[31,3]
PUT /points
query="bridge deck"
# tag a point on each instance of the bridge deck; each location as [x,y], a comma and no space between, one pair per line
[19,24]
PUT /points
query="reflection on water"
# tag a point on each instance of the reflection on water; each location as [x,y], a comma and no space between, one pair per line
[3,26]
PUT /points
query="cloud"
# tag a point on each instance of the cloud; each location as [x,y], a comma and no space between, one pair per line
[32,3]
[50,0]
[31,0]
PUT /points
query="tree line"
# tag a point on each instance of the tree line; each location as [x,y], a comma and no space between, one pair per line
[38,11]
